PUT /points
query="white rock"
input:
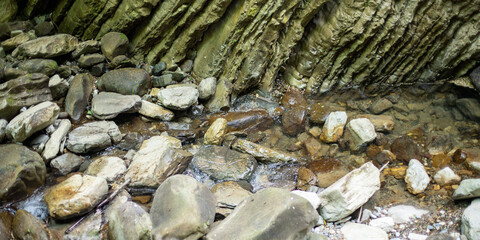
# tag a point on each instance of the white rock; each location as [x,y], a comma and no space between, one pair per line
[107,167]
[417,178]
[359,133]
[333,127]
[309,196]
[385,223]
[178,97]
[468,188]
[446,176]
[53,145]
[207,88]
[356,231]
[471,221]
[403,213]
[415,236]
[155,111]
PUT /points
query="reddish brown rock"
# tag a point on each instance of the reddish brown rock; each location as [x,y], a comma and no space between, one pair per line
[405,149]
[441,160]
[250,121]
[293,120]
[293,98]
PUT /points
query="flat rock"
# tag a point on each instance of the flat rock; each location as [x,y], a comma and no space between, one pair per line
[380,106]
[262,153]
[206,88]
[404,213]
[216,132]
[470,107]
[125,81]
[416,178]
[52,147]
[178,97]
[182,208]
[89,60]
[468,188]
[356,231]
[78,95]
[359,133]
[107,167]
[446,176]
[93,136]
[89,229]
[86,47]
[349,193]
[66,163]
[32,120]
[114,44]
[16,41]
[58,86]
[333,127]
[229,194]
[48,47]
[471,220]
[382,123]
[108,105]
[248,121]
[120,218]
[44,66]
[155,111]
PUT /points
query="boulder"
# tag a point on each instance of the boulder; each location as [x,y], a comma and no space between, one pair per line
[125,81]
[107,167]
[471,220]
[155,111]
[93,136]
[75,196]
[178,97]
[222,163]
[58,86]
[216,132]
[360,132]
[182,208]
[48,47]
[333,127]
[468,188]
[44,66]
[294,120]
[229,194]
[66,163]
[206,88]
[88,60]
[78,95]
[120,218]
[32,120]
[114,44]
[44,29]
[21,171]
[108,105]
[271,213]
[446,176]
[356,231]
[470,107]
[52,148]
[404,213]
[416,178]
[25,226]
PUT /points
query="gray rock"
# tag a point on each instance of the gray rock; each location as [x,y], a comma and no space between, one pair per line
[89,60]
[182,208]
[349,193]
[206,88]
[3,126]
[12,73]
[178,97]
[229,195]
[359,133]
[21,171]
[114,44]
[44,29]
[176,76]
[32,120]
[446,176]
[26,226]
[468,188]
[45,66]
[271,213]
[333,128]
[120,218]
[89,229]
[48,47]
[404,213]
[155,111]
[475,77]
[470,107]
[471,221]
[311,197]
[440,236]
[125,81]
[387,224]
[52,148]
[163,81]
[221,99]
[93,136]
[159,68]
[356,231]
[18,40]
[380,106]
[222,163]
[67,163]
[89,46]
[108,105]
[58,86]
[107,167]
[416,178]
[78,95]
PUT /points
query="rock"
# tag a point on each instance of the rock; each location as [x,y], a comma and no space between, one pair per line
[415,236]
[319,113]
[441,160]
[416,178]
[249,122]
[385,223]
[114,44]
[121,61]
[177,76]
[120,218]
[382,123]
[360,132]
[48,47]
[21,171]
[132,140]
[229,195]
[32,120]
[404,213]
[182,208]
[405,149]
[216,132]
[333,127]
[58,86]
[18,40]
[470,107]
[88,60]
[44,29]
[385,156]
[159,68]
[305,178]
[380,106]
[268,214]
[446,176]
[471,220]
[78,95]
[25,226]
[293,98]
[89,229]
[3,126]
[13,95]
[261,153]
[45,66]
[86,47]
[93,136]
[155,111]
[311,197]
[52,148]
[472,158]
[294,120]
[206,88]
[133,81]
[468,188]
[8,9]
[178,97]
[157,159]
[75,196]
[107,167]
[66,163]
[12,73]
[356,231]
[440,236]
[223,163]
[349,193]
[162,81]
[108,105]
[221,99]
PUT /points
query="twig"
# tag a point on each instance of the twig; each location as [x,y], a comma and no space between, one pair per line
[384,166]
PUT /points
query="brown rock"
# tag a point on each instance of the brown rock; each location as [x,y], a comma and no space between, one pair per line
[327,171]
[396,172]
[441,160]
[382,123]
[250,121]
[26,226]
[319,113]
[305,177]
[473,158]
[405,149]
[385,156]
[293,98]
[314,148]
[459,156]
[293,120]
[6,219]
[372,151]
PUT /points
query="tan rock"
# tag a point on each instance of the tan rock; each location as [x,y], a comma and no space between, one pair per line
[382,123]
[333,127]
[216,132]
[155,111]
[229,195]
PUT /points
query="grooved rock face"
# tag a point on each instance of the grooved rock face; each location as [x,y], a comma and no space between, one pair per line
[48,47]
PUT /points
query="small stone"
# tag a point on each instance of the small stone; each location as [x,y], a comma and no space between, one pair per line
[76,101]
[446,176]
[187,66]
[88,60]
[114,44]
[52,148]
[385,156]
[229,194]
[355,231]
[44,29]
[176,76]
[66,163]
[405,149]
[403,213]
[107,167]
[333,127]
[472,157]
[58,86]
[155,111]
[441,160]
[315,131]
[162,81]
[416,178]
[133,81]
[159,68]
[206,88]
[468,188]
[380,106]
[359,133]
[311,197]
[294,120]
[382,123]
[122,61]
[178,97]
[216,132]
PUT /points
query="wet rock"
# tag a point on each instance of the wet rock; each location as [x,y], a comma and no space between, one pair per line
[75,196]
[354,231]
[21,171]
[471,221]
[114,44]
[206,88]
[155,111]
[89,229]
[385,223]
[133,81]
[446,176]
[319,112]
[44,29]
[18,40]
[441,160]
[223,163]
[404,213]
[44,66]
[78,95]
[32,120]
[182,208]
[405,149]
[416,178]
[25,226]
[157,159]
[229,195]
[52,148]
[439,143]
[58,87]
[280,214]
[120,218]
[349,193]
[6,220]
[360,132]
[107,167]
[216,132]
[249,122]
[88,60]
[3,126]
[380,106]
[294,120]
[470,107]
[221,99]
[48,47]
[263,154]
[333,127]
[108,105]
[178,97]
[305,178]
[293,98]
[162,81]
[93,136]
[314,148]
[468,188]
[382,123]
[440,236]
[66,163]
[472,157]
